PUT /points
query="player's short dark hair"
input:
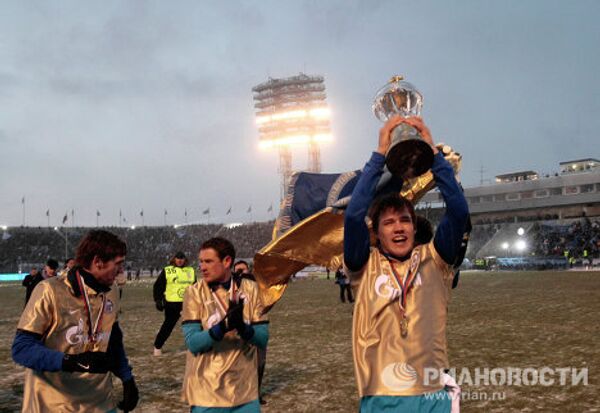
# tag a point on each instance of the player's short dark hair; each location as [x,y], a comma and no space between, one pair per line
[391,201]
[103,244]
[241,262]
[222,246]
[52,263]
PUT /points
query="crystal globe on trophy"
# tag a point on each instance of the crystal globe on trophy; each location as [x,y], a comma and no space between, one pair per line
[409,156]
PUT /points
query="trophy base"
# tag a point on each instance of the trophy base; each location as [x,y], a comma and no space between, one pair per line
[409,158]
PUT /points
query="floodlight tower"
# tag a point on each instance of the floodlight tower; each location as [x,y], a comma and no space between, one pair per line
[293,111]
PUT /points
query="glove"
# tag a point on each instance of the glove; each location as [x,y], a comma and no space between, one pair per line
[235,315]
[160,305]
[88,362]
[217,332]
[235,320]
[130,396]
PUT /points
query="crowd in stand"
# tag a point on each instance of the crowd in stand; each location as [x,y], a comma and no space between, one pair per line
[148,247]
[580,239]
[480,235]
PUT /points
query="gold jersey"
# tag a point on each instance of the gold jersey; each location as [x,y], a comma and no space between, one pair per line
[386,362]
[224,376]
[55,313]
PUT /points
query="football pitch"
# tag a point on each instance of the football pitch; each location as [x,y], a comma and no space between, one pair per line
[520,322]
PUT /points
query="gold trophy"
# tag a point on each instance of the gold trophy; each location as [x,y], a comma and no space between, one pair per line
[409,156]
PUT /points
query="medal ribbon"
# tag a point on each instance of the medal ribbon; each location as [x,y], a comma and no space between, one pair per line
[232,293]
[92,328]
[405,284]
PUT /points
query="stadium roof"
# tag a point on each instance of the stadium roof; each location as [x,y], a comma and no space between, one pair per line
[580,160]
[513,174]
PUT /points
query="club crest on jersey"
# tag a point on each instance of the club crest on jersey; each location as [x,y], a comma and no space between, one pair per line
[384,287]
[74,335]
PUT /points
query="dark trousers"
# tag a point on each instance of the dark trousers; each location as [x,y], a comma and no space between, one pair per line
[172,314]
[262,360]
[346,287]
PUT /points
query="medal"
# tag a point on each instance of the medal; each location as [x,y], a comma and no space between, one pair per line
[405,285]
[404,326]
[92,328]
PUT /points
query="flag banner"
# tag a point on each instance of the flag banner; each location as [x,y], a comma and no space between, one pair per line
[249,209]
[270,208]
[228,211]
[313,209]
[97,213]
[47,212]
[142,213]
[65,217]
[206,211]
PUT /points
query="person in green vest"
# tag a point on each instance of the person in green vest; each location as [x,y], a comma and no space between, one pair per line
[169,289]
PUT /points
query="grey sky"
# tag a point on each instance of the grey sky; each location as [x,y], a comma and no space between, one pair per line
[128,105]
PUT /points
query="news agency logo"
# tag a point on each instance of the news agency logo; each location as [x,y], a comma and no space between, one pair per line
[399,376]
[511,376]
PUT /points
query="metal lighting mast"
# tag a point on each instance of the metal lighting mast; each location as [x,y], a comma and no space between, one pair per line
[293,111]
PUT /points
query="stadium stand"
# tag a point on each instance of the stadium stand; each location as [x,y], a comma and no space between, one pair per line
[148,247]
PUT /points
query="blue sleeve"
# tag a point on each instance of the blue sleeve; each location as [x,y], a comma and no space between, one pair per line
[449,233]
[261,335]
[116,353]
[356,232]
[29,351]
[196,339]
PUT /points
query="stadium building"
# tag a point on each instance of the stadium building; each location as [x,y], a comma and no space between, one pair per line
[534,204]
[527,196]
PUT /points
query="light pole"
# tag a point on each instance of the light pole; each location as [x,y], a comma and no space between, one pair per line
[66,238]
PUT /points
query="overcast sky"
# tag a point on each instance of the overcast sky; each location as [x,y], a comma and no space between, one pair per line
[131,105]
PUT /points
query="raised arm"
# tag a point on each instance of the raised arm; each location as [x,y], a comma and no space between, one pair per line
[356,233]
[449,233]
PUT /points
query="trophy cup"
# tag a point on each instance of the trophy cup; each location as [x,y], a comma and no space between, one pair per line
[409,156]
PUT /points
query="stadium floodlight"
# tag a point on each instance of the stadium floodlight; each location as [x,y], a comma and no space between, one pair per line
[320,113]
[132,227]
[520,245]
[290,112]
[4,227]
[55,228]
[505,245]
[520,231]
[295,140]
[322,137]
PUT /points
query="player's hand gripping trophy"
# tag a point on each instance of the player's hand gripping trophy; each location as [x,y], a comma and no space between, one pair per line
[409,155]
